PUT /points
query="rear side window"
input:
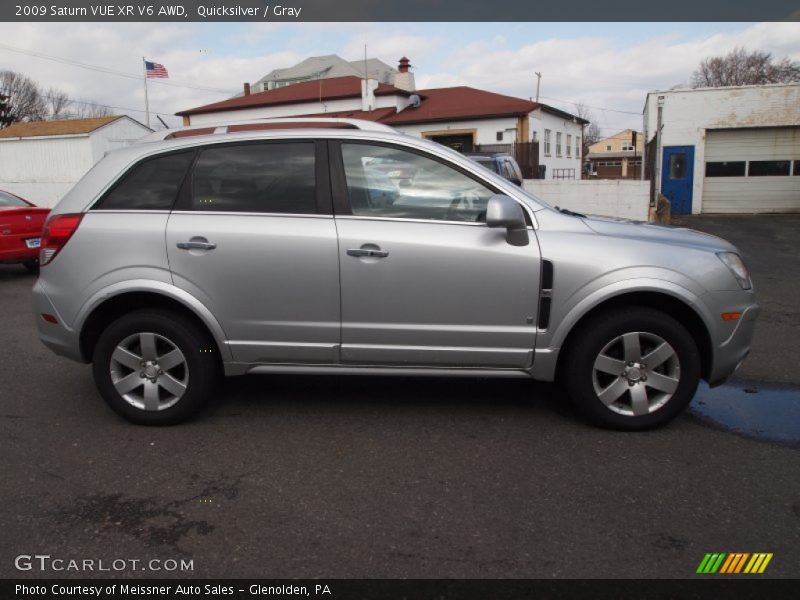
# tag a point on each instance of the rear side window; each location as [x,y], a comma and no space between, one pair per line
[265,177]
[151,185]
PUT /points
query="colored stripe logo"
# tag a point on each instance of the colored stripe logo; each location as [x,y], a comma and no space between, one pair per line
[734,563]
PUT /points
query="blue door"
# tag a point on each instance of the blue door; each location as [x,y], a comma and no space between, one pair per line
[677,177]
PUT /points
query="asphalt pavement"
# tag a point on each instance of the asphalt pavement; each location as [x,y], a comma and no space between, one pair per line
[288,476]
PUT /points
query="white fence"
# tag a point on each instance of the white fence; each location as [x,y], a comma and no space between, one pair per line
[621,198]
[40,193]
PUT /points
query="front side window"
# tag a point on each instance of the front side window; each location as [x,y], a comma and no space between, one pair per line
[577,146]
[569,145]
[547,142]
[383,181]
[558,144]
[151,185]
[267,177]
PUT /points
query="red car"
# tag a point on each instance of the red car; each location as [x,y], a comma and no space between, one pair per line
[20,230]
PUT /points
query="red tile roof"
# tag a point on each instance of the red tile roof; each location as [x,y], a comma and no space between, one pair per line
[309,91]
[437,104]
[460,103]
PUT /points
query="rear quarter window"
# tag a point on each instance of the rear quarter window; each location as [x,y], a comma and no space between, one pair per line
[152,184]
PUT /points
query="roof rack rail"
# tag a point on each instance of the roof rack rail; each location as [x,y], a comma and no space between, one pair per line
[223,128]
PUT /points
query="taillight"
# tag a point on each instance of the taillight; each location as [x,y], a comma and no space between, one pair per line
[55,235]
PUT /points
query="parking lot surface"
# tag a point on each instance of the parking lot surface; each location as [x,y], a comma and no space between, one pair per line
[289,476]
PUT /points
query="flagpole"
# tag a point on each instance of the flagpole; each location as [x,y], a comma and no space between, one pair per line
[146,101]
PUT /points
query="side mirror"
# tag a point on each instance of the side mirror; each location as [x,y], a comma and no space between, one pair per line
[502,211]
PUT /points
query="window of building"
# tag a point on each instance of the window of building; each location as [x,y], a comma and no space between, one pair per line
[558,143]
[547,134]
[577,146]
[151,185]
[265,177]
[796,168]
[677,166]
[569,145]
[535,136]
[725,169]
[499,136]
[608,148]
[759,168]
[388,182]
[627,147]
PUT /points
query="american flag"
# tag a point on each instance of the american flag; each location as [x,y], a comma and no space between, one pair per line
[154,69]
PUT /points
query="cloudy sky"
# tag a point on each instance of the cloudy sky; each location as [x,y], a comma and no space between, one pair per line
[608,66]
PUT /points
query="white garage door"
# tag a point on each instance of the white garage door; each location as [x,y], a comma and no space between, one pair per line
[752,170]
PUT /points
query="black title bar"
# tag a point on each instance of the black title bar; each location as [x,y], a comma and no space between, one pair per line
[400,10]
[713,587]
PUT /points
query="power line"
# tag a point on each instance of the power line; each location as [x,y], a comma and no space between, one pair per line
[108,71]
[624,112]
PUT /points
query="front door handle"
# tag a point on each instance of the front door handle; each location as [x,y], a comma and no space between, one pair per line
[368,252]
[196,245]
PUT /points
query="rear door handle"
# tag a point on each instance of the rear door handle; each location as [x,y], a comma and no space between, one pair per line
[368,252]
[196,245]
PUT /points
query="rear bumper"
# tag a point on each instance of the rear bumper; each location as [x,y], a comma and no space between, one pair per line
[56,336]
[14,250]
[730,353]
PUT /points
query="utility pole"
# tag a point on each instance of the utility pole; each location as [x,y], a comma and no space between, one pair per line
[658,158]
[538,81]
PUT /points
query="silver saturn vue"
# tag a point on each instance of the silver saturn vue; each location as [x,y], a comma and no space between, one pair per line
[345,247]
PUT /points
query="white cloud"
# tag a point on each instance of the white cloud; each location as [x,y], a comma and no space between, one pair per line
[597,70]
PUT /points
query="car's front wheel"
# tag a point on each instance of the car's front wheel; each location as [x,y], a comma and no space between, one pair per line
[632,369]
[155,367]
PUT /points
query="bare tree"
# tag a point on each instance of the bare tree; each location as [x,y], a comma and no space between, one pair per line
[25,99]
[87,110]
[591,132]
[57,103]
[741,67]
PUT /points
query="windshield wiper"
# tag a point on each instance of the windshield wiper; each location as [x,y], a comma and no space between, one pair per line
[569,212]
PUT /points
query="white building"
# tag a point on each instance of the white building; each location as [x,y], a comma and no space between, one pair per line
[461,117]
[40,161]
[727,150]
[325,67]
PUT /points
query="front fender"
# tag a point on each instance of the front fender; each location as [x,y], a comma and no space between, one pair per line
[549,343]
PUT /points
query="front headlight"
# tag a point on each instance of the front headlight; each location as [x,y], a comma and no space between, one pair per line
[735,265]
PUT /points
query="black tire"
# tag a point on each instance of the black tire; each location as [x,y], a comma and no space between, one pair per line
[31,265]
[200,368]
[598,335]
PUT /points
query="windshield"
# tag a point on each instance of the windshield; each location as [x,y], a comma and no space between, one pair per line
[7,200]
[486,162]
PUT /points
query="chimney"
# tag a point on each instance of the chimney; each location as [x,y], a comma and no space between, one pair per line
[404,80]
[246,89]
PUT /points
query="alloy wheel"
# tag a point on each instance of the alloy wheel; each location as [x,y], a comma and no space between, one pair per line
[636,373]
[149,371]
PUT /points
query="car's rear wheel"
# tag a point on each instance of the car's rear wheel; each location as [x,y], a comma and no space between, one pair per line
[155,368]
[632,369]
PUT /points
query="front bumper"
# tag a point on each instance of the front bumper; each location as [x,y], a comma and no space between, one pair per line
[730,353]
[56,336]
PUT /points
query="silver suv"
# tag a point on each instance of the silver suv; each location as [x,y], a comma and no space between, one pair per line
[345,247]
